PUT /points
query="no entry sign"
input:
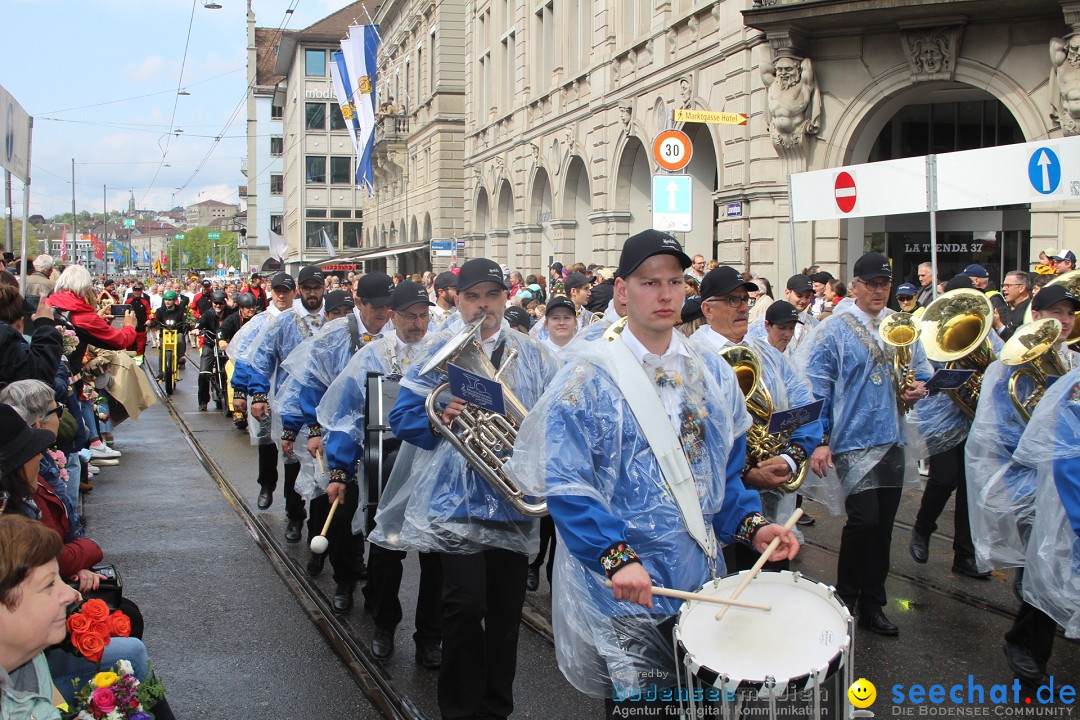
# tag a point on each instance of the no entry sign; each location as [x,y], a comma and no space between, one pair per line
[890,187]
[844,190]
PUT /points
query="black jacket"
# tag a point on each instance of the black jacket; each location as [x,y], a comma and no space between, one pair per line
[37,360]
[230,326]
[601,296]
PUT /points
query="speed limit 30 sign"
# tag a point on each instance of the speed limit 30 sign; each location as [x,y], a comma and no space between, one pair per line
[672,150]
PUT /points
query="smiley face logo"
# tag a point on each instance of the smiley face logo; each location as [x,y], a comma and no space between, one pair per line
[862,693]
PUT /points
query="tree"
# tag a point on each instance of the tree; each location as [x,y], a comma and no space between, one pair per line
[33,244]
[199,246]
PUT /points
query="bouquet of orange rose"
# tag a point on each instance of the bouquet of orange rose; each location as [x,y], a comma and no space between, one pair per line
[116,695]
[91,625]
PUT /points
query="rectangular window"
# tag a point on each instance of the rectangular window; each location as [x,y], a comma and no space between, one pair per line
[317,232]
[277,222]
[352,235]
[543,40]
[277,146]
[341,170]
[277,112]
[337,120]
[341,214]
[315,212]
[637,17]
[482,109]
[406,101]
[315,63]
[315,169]
[277,184]
[509,51]
[315,114]
[420,72]
[431,64]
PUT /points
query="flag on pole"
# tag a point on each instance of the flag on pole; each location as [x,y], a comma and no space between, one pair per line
[63,245]
[116,253]
[187,259]
[328,244]
[164,259]
[359,49]
[209,260]
[339,76]
[278,246]
[99,247]
[146,255]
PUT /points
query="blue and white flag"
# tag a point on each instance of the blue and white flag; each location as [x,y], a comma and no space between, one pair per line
[146,255]
[339,76]
[116,254]
[209,261]
[360,49]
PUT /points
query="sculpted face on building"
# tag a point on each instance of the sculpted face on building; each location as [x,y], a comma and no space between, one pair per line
[1065,83]
[793,107]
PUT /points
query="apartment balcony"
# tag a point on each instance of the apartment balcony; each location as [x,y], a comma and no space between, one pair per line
[391,129]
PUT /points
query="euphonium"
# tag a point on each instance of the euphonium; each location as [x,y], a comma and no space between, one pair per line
[484,438]
[1032,345]
[955,328]
[760,443]
[901,331]
[1071,281]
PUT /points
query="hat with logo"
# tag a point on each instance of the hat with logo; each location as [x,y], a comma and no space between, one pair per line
[480,270]
[336,299]
[722,281]
[407,294]
[375,289]
[639,248]
[781,312]
[309,273]
[1065,255]
[1052,295]
[575,280]
[800,284]
[873,265]
[283,280]
[906,289]
[976,270]
[518,316]
[206,282]
[445,280]
[561,301]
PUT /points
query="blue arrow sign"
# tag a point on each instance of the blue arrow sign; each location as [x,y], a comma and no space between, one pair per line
[1044,171]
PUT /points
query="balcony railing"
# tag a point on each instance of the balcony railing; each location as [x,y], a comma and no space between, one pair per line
[391,128]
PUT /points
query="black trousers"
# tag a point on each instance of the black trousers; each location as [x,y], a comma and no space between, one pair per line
[742,557]
[268,474]
[863,563]
[206,369]
[381,593]
[947,474]
[345,548]
[630,631]
[294,504]
[547,546]
[482,598]
[1033,629]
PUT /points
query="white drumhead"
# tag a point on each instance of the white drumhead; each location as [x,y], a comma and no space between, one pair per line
[805,631]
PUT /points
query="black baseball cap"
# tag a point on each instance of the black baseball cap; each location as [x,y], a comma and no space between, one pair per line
[480,270]
[800,284]
[137,286]
[1065,255]
[781,312]
[639,248]
[556,266]
[561,301]
[575,280]
[871,266]
[309,273]
[445,279]
[959,282]
[375,289]
[1053,294]
[256,276]
[407,294]
[691,310]
[335,299]
[283,279]
[821,277]
[205,283]
[518,316]
[722,281]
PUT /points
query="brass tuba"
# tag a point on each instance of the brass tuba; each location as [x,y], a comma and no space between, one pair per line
[1071,281]
[956,328]
[900,331]
[1032,345]
[760,443]
[484,438]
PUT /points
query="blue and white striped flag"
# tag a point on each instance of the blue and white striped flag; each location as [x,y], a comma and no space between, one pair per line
[339,76]
[360,49]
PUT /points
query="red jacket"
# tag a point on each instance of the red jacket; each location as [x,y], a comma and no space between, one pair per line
[79,554]
[83,317]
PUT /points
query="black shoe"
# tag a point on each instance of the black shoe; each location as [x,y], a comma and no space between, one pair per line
[240,424]
[1018,584]
[293,530]
[876,622]
[382,644]
[919,547]
[429,655]
[315,564]
[266,499]
[968,568]
[202,407]
[1022,663]
[361,568]
[159,377]
[532,581]
[805,521]
[342,601]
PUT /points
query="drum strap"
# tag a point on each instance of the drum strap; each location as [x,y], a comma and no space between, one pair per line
[652,418]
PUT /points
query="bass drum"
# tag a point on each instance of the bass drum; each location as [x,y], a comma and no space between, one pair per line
[380,445]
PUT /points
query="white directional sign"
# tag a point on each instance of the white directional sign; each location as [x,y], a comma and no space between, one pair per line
[671,201]
[1043,171]
[881,188]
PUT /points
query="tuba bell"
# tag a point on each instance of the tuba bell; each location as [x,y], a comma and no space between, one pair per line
[955,330]
[900,331]
[485,439]
[1032,345]
[1071,281]
[760,443]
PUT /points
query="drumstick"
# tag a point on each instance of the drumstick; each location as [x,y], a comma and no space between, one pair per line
[319,466]
[702,597]
[319,543]
[762,560]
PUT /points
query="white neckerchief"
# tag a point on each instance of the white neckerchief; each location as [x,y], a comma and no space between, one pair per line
[491,343]
[673,361]
[870,322]
[551,344]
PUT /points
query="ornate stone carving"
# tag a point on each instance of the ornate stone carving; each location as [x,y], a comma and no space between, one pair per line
[661,115]
[685,97]
[931,52]
[1065,83]
[694,25]
[793,101]
[672,41]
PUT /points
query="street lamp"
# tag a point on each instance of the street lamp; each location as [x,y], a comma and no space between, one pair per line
[211,5]
[183,92]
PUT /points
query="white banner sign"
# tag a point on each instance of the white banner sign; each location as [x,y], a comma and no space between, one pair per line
[891,187]
[14,137]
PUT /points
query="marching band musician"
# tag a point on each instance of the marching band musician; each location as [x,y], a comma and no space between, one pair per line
[578,290]
[850,367]
[341,414]
[800,293]
[445,297]
[726,305]
[592,451]
[483,542]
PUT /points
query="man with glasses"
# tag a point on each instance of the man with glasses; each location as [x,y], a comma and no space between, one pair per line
[697,269]
[907,300]
[851,369]
[1016,289]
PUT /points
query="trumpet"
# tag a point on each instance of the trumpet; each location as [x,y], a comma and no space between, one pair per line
[956,327]
[760,443]
[900,331]
[1032,345]
[484,438]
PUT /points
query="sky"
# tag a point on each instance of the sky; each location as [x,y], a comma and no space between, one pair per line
[100,78]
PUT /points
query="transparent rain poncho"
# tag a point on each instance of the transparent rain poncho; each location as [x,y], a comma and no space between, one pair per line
[860,403]
[450,508]
[1051,445]
[239,351]
[757,331]
[581,442]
